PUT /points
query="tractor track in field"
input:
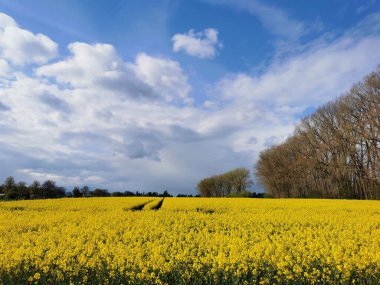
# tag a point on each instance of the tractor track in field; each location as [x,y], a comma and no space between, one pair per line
[159,205]
[141,206]
[138,207]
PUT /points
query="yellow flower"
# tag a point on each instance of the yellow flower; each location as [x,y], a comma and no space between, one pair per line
[197,240]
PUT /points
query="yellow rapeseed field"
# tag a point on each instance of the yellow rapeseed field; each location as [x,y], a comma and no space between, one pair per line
[189,241]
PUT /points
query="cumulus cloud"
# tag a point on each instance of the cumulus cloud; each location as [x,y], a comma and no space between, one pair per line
[3,107]
[99,66]
[4,68]
[20,46]
[6,21]
[199,44]
[94,118]
[54,102]
[85,66]
[163,75]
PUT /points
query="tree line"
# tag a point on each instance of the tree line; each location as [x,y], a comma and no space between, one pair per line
[12,190]
[333,153]
[234,183]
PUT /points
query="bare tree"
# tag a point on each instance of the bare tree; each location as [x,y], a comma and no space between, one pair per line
[234,181]
[333,153]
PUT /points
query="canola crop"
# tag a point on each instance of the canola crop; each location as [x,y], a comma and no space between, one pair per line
[189,241]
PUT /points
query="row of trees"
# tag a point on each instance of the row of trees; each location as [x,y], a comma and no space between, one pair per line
[333,153]
[144,194]
[232,183]
[12,190]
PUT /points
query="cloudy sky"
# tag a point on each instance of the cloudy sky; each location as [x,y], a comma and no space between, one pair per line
[154,95]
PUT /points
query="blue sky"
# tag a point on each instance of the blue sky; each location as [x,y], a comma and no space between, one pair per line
[155,95]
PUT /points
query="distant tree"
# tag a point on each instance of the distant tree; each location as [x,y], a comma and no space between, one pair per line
[20,190]
[10,188]
[12,195]
[77,193]
[166,194]
[239,179]
[47,189]
[60,192]
[23,191]
[228,183]
[85,191]
[100,193]
[206,187]
[184,195]
[129,193]
[258,195]
[9,185]
[117,194]
[35,189]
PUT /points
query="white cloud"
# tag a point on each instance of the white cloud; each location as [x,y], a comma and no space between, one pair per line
[21,47]
[286,29]
[268,105]
[4,68]
[6,21]
[163,75]
[117,124]
[99,66]
[308,79]
[199,44]
[85,66]
[275,20]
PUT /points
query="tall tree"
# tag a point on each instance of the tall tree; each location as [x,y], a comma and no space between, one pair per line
[234,181]
[333,153]
[35,189]
[9,185]
[23,190]
[85,191]
[76,192]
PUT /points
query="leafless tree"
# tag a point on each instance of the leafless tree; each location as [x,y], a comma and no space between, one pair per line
[231,182]
[333,153]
